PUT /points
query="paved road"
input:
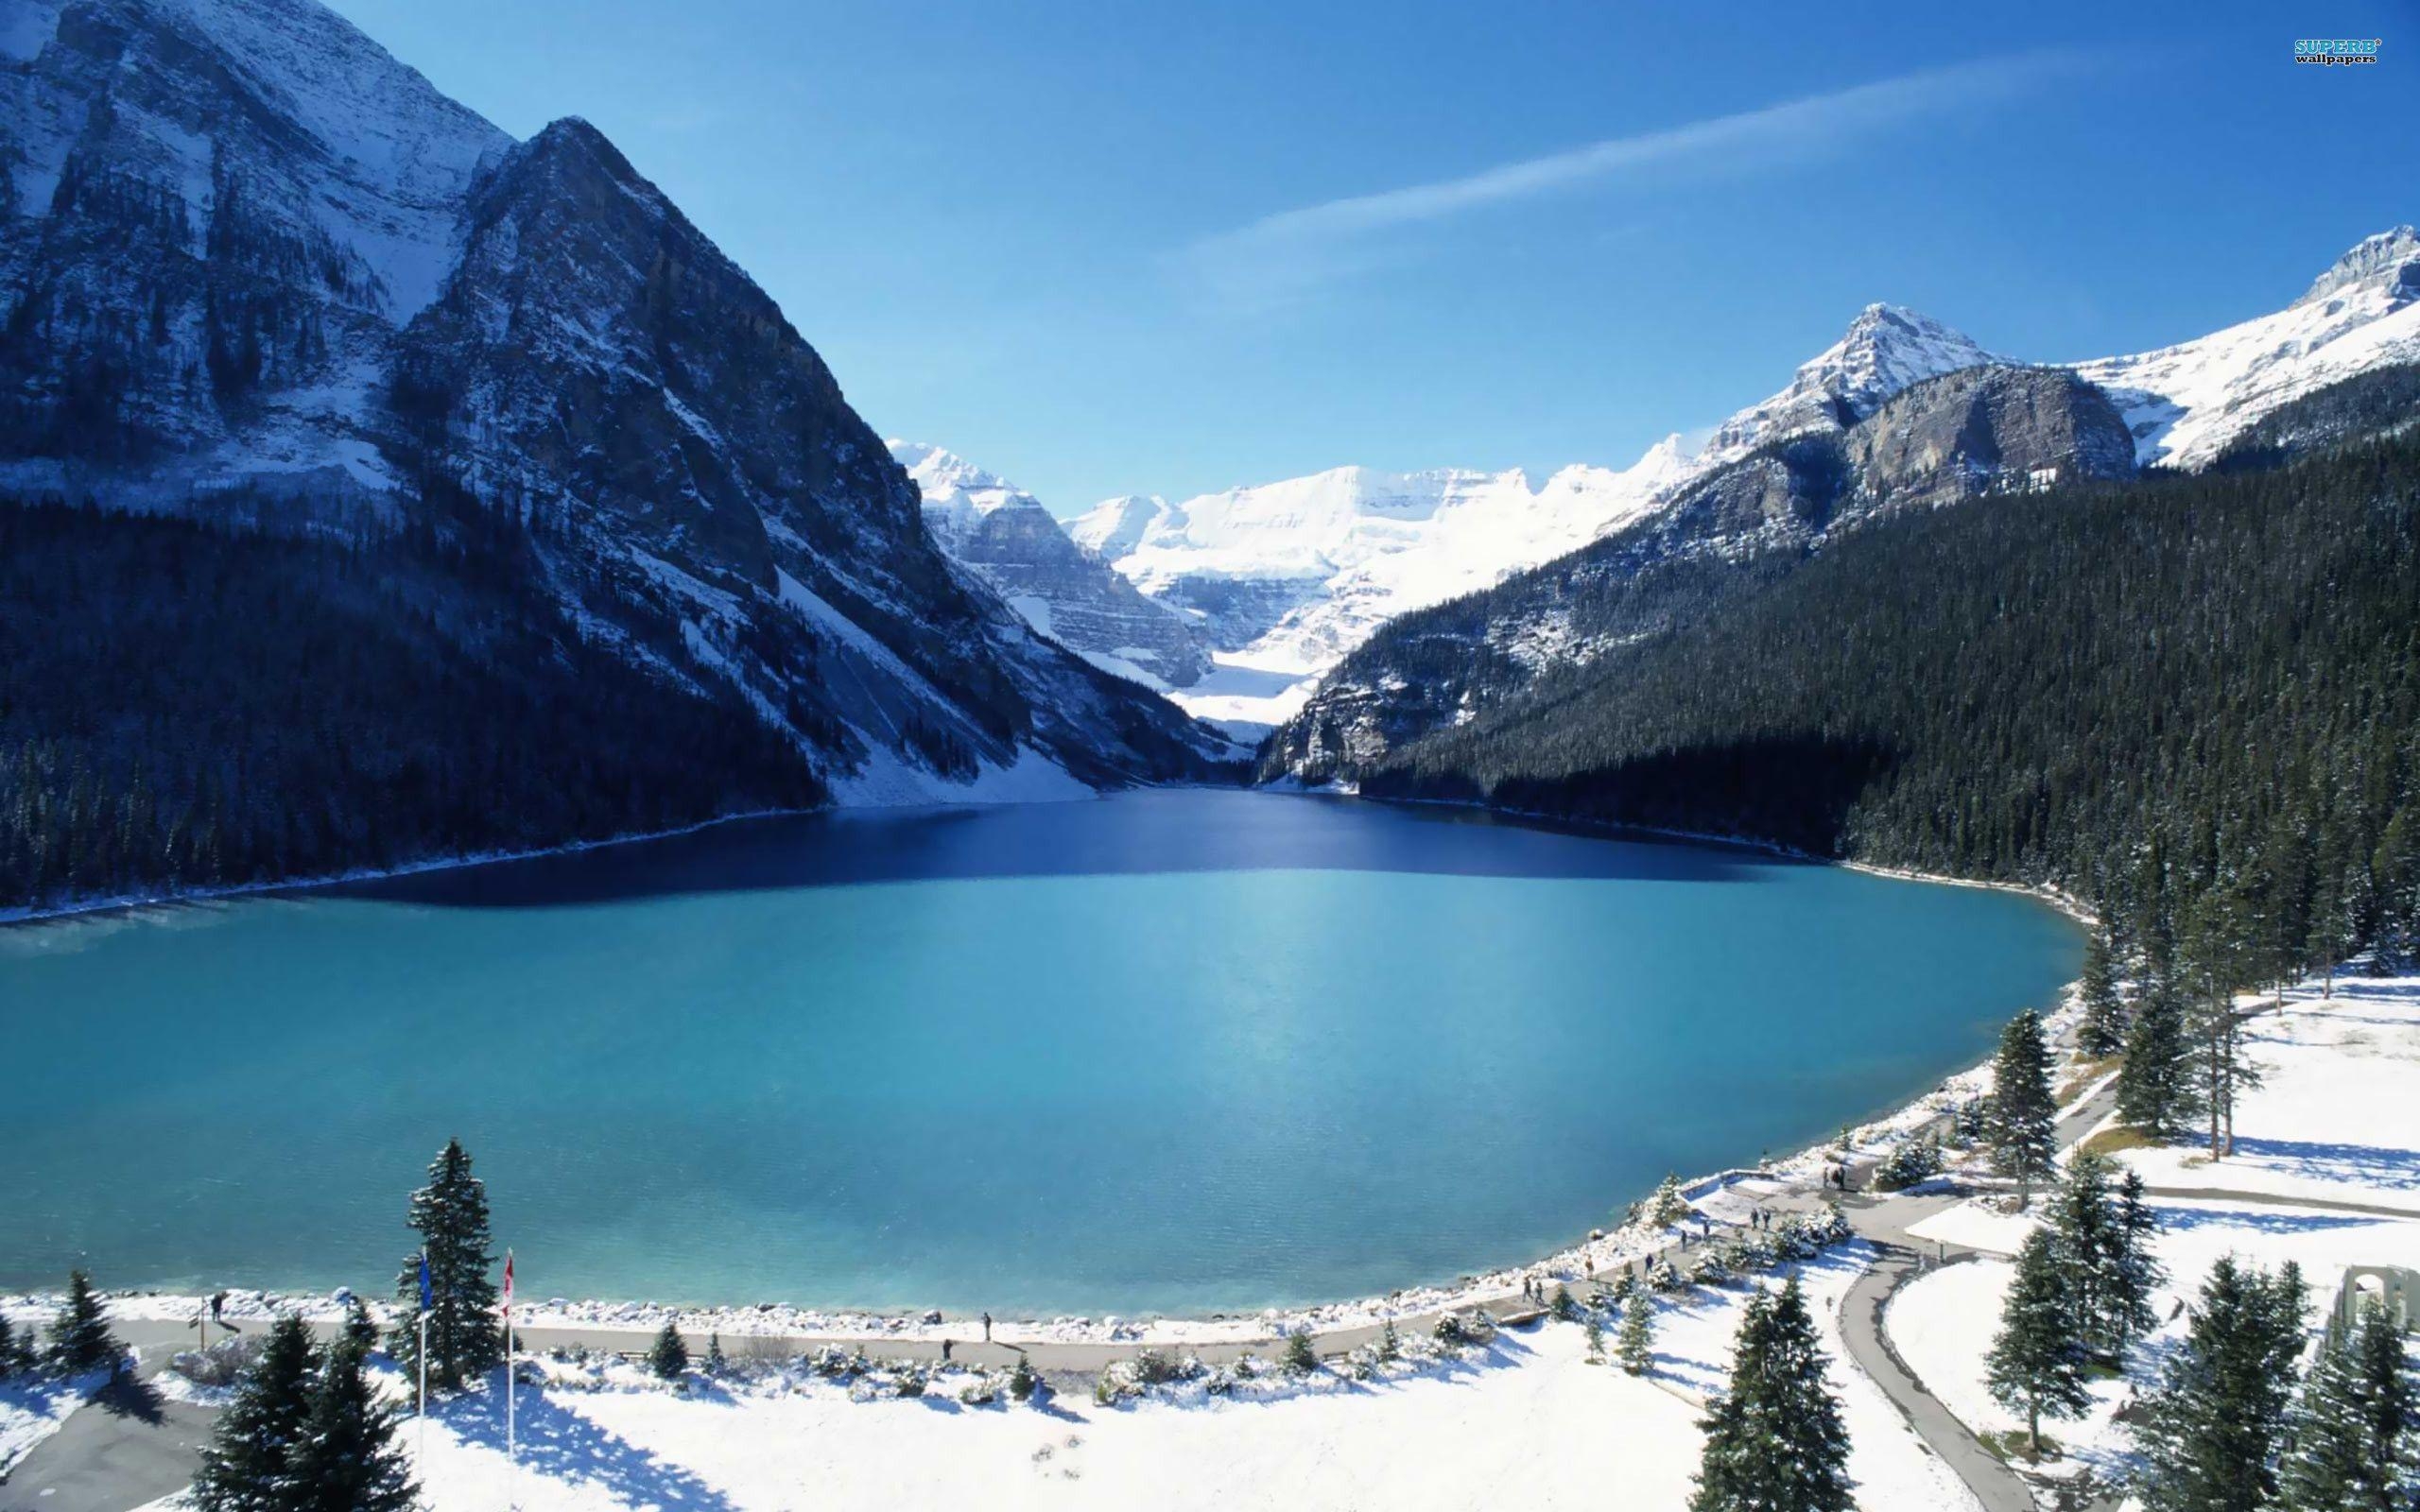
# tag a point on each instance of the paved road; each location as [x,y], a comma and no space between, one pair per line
[123,1449]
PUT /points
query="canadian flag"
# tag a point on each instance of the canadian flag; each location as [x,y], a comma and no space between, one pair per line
[508,1283]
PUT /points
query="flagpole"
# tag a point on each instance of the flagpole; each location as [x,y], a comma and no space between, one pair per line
[425,1299]
[512,1446]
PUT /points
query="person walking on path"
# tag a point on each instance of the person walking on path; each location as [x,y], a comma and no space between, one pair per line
[945,1347]
[987,1327]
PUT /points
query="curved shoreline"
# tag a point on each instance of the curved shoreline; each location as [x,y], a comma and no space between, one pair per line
[1602,1249]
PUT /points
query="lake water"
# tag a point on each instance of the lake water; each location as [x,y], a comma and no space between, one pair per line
[1172,1051]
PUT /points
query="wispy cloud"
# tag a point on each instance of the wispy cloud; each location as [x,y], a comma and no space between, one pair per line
[1288,256]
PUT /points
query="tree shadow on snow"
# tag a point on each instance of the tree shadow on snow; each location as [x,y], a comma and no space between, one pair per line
[2353,1164]
[2267,1223]
[563,1445]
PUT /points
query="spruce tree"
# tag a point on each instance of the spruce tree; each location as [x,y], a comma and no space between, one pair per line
[451,1215]
[347,1460]
[714,1361]
[10,1346]
[359,1329]
[668,1357]
[1774,1442]
[2037,1363]
[2103,1029]
[1666,1207]
[1637,1344]
[2352,1429]
[1301,1358]
[2156,1092]
[249,1463]
[81,1339]
[2210,1430]
[2023,1132]
[2090,1248]
[2137,1272]
[1594,1333]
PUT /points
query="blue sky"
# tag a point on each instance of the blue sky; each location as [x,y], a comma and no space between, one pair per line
[1133,247]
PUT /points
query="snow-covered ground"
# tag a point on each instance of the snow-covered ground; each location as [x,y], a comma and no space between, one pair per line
[2336,1118]
[1526,1421]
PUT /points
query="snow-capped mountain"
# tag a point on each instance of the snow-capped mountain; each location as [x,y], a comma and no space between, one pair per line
[1884,350]
[243,248]
[2184,403]
[1064,591]
[1290,577]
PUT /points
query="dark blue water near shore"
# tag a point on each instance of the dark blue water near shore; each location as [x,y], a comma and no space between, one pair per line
[1182,1051]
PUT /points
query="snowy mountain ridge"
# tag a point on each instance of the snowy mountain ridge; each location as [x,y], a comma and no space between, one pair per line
[247,252]
[1005,536]
[2184,403]
[1289,577]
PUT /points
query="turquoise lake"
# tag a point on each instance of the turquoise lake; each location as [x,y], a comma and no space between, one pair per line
[1168,1051]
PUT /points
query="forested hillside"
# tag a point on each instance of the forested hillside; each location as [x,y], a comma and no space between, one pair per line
[188,704]
[2192,691]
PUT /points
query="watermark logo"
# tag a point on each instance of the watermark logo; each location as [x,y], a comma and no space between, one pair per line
[2336,51]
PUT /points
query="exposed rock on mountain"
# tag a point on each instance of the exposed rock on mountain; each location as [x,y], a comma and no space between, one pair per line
[1063,591]
[243,248]
[1965,434]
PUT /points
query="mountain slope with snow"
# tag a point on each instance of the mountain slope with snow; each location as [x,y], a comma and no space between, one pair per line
[2184,403]
[1290,577]
[245,252]
[1010,541]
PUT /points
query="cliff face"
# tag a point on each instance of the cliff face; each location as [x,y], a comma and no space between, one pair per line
[1068,594]
[244,249]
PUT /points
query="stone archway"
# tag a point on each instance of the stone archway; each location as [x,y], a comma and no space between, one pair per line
[2392,1287]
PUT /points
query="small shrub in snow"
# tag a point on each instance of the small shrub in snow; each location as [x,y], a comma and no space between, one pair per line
[1154,1367]
[1301,1358]
[1663,1277]
[669,1358]
[1389,1342]
[1022,1380]
[221,1364]
[910,1382]
[1913,1161]
[1712,1269]
[1565,1307]
[980,1392]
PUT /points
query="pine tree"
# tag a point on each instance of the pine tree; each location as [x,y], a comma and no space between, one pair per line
[360,1329]
[2137,1273]
[2352,1429]
[669,1356]
[81,1339]
[715,1362]
[1301,1357]
[1565,1307]
[2023,1134]
[248,1465]
[2157,1092]
[2090,1248]
[2209,1431]
[1593,1333]
[1021,1379]
[15,1354]
[1637,1344]
[464,1338]
[1774,1442]
[2037,1362]
[347,1460]
[2103,1029]
[1666,1207]
[1390,1342]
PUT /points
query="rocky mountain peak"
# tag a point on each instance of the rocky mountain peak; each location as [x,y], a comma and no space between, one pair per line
[1885,349]
[2390,257]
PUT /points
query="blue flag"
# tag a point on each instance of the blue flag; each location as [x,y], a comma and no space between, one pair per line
[427,1298]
